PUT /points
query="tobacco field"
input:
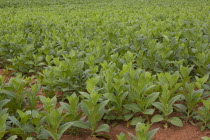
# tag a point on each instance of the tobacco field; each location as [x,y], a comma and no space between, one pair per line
[82,68]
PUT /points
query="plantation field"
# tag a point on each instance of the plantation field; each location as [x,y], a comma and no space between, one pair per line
[112,69]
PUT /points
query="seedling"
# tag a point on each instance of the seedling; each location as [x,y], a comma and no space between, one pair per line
[142,133]
[203,114]
[165,106]
[93,108]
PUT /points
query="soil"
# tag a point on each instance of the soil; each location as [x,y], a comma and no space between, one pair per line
[187,132]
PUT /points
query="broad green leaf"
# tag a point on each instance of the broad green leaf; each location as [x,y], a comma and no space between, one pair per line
[12,138]
[103,128]
[157,118]
[136,120]
[151,133]
[63,128]
[176,121]
[81,124]
[205,138]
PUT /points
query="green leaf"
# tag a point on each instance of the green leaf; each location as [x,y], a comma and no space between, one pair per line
[4,102]
[157,118]
[28,128]
[103,128]
[174,99]
[181,106]
[151,133]
[132,107]
[12,138]
[63,128]
[122,136]
[29,138]
[136,120]
[176,121]
[15,121]
[205,138]
[128,116]
[159,106]
[81,124]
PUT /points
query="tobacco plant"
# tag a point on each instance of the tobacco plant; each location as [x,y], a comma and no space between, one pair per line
[141,94]
[171,80]
[15,91]
[55,123]
[94,108]
[203,114]
[192,98]
[65,76]
[22,125]
[3,118]
[32,97]
[38,120]
[165,106]
[142,133]
[55,118]
[72,108]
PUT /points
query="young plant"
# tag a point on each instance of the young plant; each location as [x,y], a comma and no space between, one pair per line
[203,114]
[15,91]
[142,133]
[55,123]
[171,80]
[38,119]
[165,106]
[185,73]
[72,109]
[192,98]
[117,99]
[93,108]
[141,95]
[65,75]
[48,104]
[24,127]
[201,81]
[54,117]
[32,97]
[3,118]
[114,88]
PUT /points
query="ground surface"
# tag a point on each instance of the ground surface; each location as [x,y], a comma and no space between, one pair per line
[187,132]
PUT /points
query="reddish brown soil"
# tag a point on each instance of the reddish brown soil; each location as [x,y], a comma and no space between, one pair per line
[187,132]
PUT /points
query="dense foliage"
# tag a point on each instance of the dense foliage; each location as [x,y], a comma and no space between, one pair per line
[87,61]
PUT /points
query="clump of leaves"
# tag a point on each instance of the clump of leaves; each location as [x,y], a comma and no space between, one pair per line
[22,125]
[3,118]
[203,114]
[94,109]
[15,91]
[171,80]
[66,75]
[56,125]
[142,133]
[72,109]
[192,98]
[141,93]
[165,106]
